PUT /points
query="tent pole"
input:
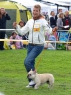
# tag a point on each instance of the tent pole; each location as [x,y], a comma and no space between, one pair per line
[57,8]
[68,7]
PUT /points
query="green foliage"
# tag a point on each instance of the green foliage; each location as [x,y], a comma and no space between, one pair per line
[61,47]
[13,78]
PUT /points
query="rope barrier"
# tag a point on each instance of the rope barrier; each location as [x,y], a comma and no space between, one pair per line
[7,30]
[28,41]
[57,30]
[13,40]
[14,29]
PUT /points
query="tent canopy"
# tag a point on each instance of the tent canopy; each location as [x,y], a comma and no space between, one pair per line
[44,8]
[31,3]
[64,1]
[57,2]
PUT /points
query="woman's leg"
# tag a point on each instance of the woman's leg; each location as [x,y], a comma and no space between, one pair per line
[33,52]
[30,59]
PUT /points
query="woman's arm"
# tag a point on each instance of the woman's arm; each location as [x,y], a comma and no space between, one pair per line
[7,17]
[23,30]
[47,27]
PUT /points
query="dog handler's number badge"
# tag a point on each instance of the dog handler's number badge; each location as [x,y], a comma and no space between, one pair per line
[36,28]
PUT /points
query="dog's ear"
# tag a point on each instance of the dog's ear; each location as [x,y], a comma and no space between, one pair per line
[34,71]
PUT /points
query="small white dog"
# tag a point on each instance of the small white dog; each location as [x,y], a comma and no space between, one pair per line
[41,79]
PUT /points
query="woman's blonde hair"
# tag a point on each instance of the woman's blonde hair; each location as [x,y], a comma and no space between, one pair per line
[59,15]
[37,6]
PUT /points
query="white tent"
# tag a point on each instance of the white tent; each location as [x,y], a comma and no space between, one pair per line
[45,8]
[58,2]
[31,3]
[64,1]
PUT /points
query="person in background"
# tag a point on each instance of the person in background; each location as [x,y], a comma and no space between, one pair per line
[51,37]
[22,23]
[37,26]
[60,21]
[55,33]
[54,30]
[67,21]
[59,11]
[24,37]
[52,19]
[3,19]
[17,45]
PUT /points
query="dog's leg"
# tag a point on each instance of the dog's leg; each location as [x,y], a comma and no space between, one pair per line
[37,86]
[50,85]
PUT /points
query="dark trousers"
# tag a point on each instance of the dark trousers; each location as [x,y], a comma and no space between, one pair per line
[2,36]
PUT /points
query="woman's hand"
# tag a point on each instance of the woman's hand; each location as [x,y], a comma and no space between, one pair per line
[14,25]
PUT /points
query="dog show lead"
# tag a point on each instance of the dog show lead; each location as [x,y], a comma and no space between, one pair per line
[36,27]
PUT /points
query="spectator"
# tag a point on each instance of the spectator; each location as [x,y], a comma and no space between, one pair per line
[24,37]
[67,21]
[59,11]
[21,23]
[3,18]
[17,45]
[60,22]
[53,34]
[52,19]
[53,37]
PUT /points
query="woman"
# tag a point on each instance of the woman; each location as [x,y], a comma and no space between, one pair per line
[3,18]
[52,19]
[60,22]
[1,46]
[36,28]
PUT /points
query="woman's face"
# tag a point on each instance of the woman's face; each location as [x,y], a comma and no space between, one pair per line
[62,15]
[21,24]
[2,11]
[53,14]
[14,36]
[66,13]
[36,12]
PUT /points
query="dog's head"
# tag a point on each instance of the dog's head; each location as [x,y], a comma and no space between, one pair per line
[31,74]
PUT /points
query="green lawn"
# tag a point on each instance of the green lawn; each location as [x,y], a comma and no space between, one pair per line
[13,78]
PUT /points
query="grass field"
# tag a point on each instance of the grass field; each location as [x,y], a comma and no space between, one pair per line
[13,78]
